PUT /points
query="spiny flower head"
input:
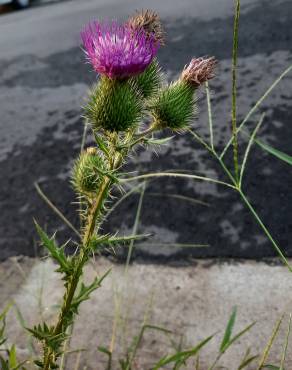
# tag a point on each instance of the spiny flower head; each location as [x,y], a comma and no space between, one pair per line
[199,71]
[87,171]
[116,50]
[150,22]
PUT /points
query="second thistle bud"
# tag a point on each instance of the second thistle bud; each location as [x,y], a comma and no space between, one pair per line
[174,107]
[87,171]
[199,71]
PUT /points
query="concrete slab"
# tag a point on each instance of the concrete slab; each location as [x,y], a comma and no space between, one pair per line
[194,302]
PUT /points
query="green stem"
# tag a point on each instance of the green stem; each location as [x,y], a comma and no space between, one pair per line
[266,231]
[61,326]
[234,89]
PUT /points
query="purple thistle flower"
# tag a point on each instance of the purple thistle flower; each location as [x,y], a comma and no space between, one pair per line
[118,51]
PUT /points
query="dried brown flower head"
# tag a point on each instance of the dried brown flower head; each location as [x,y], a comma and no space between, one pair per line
[150,22]
[199,71]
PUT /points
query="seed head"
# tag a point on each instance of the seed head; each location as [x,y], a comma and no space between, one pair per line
[199,71]
[150,22]
[116,51]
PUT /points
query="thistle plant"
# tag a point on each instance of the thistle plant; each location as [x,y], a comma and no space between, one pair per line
[129,92]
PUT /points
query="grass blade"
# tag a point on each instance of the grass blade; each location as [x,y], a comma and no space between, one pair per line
[256,106]
[269,345]
[176,174]
[184,355]
[228,330]
[136,224]
[237,336]
[250,142]
[179,197]
[210,118]
[234,89]
[277,153]
[286,344]
[55,209]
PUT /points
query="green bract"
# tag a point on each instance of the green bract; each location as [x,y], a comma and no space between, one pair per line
[115,105]
[87,172]
[149,81]
[174,106]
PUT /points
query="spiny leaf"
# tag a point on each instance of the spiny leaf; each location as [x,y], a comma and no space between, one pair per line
[85,291]
[56,252]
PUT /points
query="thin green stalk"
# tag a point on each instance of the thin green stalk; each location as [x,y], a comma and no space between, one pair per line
[61,326]
[175,174]
[135,227]
[215,361]
[234,89]
[210,116]
[256,106]
[266,231]
[269,345]
[55,209]
[250,142]
[286,344]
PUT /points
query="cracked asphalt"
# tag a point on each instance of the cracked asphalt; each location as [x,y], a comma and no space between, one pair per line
[44,82]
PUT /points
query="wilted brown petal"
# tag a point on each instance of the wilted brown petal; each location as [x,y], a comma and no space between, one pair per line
[150,22]
[199,71]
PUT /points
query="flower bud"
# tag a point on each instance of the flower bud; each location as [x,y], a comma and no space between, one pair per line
[114,105]
[199,71]
[150,22]
[150,80]
[174,108]
[87,171]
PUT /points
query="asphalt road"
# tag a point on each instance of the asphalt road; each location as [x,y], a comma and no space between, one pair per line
[44,81]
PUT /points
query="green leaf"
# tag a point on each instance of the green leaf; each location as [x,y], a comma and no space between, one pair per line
[85,291]
[39,364]
[247,362]
[237,336]
[228,331]
[271,367]
[182,356]
[4,364]
[12,357]
[269,345]
[277,153]
[162,141]
[56,252]
[284,353]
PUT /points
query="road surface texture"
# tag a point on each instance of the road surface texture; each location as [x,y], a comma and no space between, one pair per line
[44,81]
[193,302]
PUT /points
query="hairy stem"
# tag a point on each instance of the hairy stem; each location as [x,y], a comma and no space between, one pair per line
[94,212]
